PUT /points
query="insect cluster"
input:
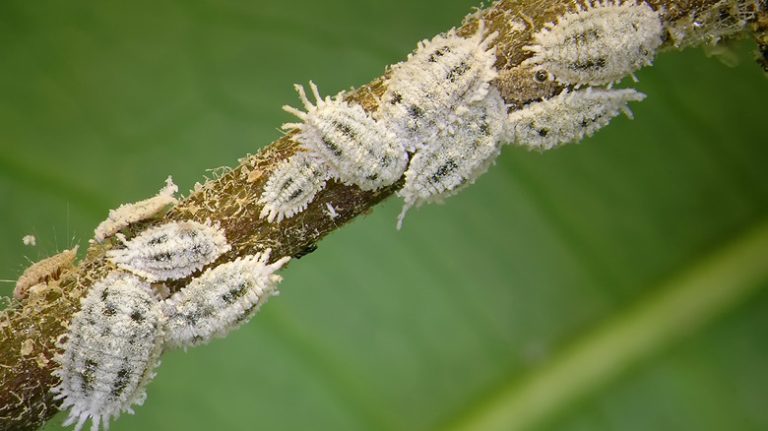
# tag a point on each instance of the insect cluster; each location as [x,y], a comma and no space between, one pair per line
[440,123]
[114,342]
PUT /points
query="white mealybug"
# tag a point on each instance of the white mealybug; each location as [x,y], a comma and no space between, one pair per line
[441,77]
[221,299]
[291,187]
[127,214]
[42,270]
[567,117]
[29,240]
[462,153]
[598,44]
[356,149]
[111,349]
[171,251]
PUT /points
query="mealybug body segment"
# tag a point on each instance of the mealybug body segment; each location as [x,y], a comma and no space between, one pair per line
[567,117]
[171,251]
[443,76]
[127,214]
[291,187]
[356,149]
[598,44]
[42,270]
[221,299]
[112,347]
[461,154]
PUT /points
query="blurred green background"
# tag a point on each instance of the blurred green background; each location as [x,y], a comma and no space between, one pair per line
[380,329]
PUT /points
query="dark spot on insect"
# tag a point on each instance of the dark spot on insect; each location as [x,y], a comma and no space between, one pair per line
[109,310]
[104,294]
[89,375]
[438,53]
[543,132]
[192,317]
[331,146]
[105,331]
[137,317]
[415,111]
[590,64]
[443,170]
[541,76]
[305,251]
[485,128]
[247,313]
[295,194]
[162,257]
[158,240]
[286,184]
[396,98]
[457,71]
[196,339]
[235,293]
[90,321]
[198,249]
[583,38]
[345,130]
[121,381]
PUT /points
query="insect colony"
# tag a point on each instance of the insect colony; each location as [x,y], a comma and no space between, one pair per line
[440,124]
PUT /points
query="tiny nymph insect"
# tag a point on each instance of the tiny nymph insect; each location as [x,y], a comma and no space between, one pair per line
[127,214]
[42,270]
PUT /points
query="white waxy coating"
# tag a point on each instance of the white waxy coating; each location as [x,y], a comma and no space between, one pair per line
[443,76]
[568,117]
[128,214]
[459,157]
[291,187]
[112,347]
[598,44]
[221,299]
[355,148]
[171,251]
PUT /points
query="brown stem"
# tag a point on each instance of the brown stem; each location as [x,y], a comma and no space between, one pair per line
[29,330]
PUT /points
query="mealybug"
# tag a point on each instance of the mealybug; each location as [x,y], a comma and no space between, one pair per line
[356,149]
[127,214]
[463,153]
[567,117]
[600,43]
[111,349]
[221,299]
[442,76]
[291,187]
[171,251]
[42,270]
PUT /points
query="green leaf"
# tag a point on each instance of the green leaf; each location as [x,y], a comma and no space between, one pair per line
[618,284]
